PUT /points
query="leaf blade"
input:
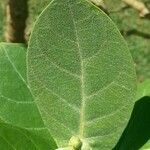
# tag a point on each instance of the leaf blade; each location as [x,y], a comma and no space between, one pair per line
[82,48]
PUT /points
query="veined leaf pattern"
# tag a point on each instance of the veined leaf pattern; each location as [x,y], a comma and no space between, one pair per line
[81,74]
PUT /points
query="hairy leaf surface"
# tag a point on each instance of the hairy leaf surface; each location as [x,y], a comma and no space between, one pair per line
[81,74]
[17,106]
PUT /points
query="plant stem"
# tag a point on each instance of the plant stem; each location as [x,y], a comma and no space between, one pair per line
[16,14]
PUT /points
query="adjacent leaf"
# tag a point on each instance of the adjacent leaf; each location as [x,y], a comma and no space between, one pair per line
[15,138]
[81,74]
[143,89]
[137,132]
[17,105]
[146,146]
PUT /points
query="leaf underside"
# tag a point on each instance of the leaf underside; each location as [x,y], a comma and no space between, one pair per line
[81,74]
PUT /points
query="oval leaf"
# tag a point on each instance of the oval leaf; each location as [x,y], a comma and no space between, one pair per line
[81,73]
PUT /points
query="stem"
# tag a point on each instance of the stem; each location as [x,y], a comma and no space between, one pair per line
[16,14]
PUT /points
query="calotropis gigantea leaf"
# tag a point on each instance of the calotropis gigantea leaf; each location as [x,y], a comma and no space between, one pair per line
[81,74]
[17,106]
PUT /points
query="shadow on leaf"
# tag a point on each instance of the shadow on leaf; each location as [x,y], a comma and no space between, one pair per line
[137,132]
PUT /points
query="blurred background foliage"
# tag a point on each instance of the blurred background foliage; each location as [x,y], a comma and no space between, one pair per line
[135,30]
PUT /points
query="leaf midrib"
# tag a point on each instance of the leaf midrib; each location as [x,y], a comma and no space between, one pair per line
[83,96]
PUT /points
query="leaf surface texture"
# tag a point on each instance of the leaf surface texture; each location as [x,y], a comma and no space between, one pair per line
[81,74]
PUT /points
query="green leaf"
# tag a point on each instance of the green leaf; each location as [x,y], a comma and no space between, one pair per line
[15,138]
[17,106]
[146,146]
[81,74]
[137,132]
[143,89]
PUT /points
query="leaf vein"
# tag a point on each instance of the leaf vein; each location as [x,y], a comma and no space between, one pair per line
[8,143]
[106,116]
[14,101]
[60,123]
[15,69]
[109,85]
[76,109]
[82,117]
